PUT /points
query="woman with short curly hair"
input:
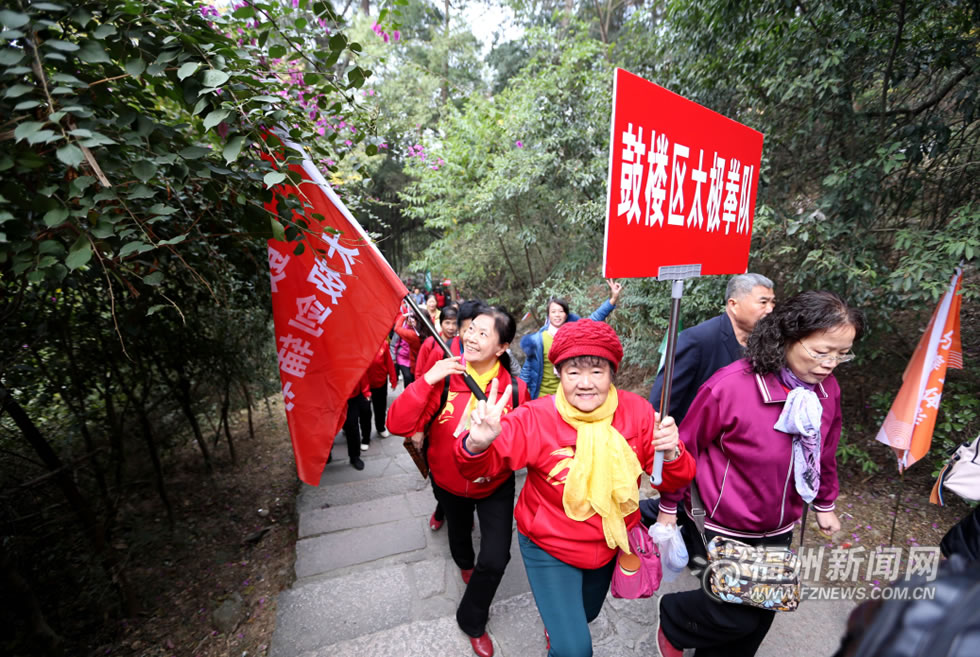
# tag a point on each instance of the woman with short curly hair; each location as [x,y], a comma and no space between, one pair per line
[764,431]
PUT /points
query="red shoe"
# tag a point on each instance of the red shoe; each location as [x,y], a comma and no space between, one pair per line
[666,648]
[547,640]
[466,573]
[434,525]
[482,645]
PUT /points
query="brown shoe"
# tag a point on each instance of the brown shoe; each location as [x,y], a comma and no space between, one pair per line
[466,573]
[482,645]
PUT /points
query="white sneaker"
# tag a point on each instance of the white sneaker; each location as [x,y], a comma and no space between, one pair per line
[364,447]
[385,433]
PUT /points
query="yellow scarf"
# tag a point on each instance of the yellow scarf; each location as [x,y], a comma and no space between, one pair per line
[602,476]
[482,380]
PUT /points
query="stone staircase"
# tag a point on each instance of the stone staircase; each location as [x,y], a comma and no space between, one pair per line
[373,581]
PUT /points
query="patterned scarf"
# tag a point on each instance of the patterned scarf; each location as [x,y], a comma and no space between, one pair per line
[801,419]
[602,477]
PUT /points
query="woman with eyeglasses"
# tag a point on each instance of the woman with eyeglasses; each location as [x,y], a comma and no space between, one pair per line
[538,371]
[764,432]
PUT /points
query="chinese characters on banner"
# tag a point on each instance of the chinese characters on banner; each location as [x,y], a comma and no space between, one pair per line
[332,306]
[682,184]
[910,422]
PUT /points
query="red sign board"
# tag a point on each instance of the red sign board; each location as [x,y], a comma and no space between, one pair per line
[682,184]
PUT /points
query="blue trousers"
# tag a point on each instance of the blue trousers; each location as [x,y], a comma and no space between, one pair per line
[568,598]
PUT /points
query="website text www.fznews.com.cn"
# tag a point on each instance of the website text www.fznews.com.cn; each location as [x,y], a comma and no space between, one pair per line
[861,593]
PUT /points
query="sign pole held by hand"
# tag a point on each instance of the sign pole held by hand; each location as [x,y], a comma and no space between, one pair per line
[677,276]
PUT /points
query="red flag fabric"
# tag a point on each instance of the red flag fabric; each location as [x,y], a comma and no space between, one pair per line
[332,306]
[910,423]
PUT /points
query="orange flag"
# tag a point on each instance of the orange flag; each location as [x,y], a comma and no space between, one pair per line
[909,424]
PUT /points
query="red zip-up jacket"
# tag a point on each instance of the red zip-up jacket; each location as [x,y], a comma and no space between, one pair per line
[430,353]
[409,336]
[382,367]
[411,411]
[537,437]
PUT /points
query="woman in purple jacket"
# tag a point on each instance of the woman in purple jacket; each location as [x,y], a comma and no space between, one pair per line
[748,429]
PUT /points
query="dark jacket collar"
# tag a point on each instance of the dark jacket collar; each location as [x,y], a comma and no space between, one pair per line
[735,350]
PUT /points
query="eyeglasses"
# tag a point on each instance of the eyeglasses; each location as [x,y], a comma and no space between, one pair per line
[824,358]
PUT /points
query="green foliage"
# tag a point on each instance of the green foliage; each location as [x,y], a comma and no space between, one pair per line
[133,268]
[853,450]
[959,417]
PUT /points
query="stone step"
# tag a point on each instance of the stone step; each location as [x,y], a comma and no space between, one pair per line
[345,600]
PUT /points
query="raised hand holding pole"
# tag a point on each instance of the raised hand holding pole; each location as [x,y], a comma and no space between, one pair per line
[427,323]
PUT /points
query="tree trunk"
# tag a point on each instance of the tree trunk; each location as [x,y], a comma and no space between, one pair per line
[147,429]
[366,6]
[224,420]
[248,408]
[183,389]
[94,530]
[25,600]
[445,68]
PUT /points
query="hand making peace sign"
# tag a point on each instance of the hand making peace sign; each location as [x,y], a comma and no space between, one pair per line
[485,419]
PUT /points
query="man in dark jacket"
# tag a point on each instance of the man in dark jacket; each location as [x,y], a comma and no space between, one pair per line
[704,349]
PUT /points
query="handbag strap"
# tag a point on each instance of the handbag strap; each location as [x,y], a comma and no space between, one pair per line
[698,514]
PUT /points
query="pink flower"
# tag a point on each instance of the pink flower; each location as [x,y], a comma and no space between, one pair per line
[520,144]
[397,35]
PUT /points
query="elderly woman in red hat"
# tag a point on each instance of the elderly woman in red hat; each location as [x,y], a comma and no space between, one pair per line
[585,448]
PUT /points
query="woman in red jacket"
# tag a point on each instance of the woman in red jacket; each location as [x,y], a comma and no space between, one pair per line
[585,448]
[379,372]
[485,358]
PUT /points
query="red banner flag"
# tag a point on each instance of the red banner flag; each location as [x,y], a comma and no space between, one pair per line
[682,185]
[909,425]
[332,306]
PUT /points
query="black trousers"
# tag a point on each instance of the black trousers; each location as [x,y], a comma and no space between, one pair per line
[379,404]
[358,421]
[496,514]
[691,619]
[407,376]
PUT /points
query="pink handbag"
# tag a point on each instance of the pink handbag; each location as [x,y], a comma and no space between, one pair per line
[637,575]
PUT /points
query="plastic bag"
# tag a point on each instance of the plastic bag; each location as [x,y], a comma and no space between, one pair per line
[673,553]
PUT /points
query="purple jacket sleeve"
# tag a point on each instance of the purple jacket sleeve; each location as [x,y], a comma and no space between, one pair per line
[829,484]
[700,427]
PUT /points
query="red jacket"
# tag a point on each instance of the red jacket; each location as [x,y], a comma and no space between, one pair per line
[535,436]
[382,367]
[411,411]
[362,387]
[410,336]
[430,353]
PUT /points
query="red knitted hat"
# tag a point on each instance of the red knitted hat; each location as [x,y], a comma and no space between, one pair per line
[586,337]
